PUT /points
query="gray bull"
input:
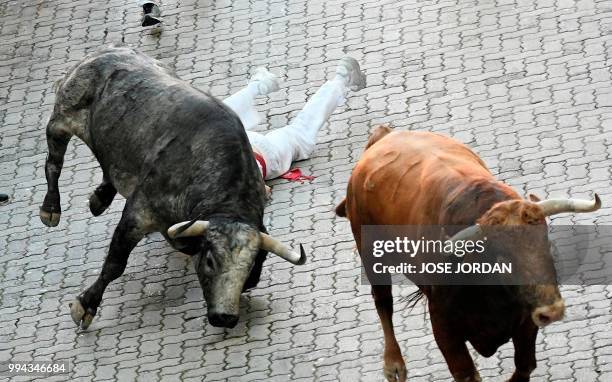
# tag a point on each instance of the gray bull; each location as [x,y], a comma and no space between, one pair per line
[180,157]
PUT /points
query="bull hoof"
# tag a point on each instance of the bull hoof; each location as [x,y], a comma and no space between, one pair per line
[520,377]
[96,205]
[50,219]
[80,315]
[470,378]
[395,371]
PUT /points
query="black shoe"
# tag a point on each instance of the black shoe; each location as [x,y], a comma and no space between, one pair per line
[4,198]
[148,20]
[151,14]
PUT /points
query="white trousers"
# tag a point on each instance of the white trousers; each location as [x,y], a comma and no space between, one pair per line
[295,141]
[243,103]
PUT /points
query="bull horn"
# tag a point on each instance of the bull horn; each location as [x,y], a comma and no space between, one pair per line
[469,233]
[557,206]
[196,228]
[270,244]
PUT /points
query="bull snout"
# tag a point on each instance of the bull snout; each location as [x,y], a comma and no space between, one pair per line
[222,320]
[544,315]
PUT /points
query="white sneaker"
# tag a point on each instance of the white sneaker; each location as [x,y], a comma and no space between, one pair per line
[266,82]
[349,69]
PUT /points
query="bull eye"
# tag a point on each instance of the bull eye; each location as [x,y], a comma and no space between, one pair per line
[210,267]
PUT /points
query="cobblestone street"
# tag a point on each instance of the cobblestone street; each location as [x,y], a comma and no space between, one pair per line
[526,84]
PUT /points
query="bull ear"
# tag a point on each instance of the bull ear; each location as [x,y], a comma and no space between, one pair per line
[534,198]
[270,244]
[188,229]
[531,215]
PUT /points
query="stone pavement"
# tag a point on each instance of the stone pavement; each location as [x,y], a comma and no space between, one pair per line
[525,83]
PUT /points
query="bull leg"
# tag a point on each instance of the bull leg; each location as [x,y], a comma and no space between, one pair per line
[102,197]
[126,236]
[524,352]
[394,365]
[57,142]
[454,350]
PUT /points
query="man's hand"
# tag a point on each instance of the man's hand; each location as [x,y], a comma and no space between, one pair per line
[268,191]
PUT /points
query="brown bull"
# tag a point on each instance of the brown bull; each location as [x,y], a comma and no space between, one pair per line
[426,179]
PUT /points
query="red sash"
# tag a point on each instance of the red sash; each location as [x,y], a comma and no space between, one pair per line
[259,158]
[295,175]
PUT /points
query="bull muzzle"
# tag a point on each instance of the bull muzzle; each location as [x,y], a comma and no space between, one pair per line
[222,320]
[268,243]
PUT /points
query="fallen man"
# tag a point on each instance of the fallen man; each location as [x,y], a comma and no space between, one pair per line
[276,150]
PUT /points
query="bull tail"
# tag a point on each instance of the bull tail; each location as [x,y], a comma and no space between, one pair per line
[341,208]
[413,298]
[378,133]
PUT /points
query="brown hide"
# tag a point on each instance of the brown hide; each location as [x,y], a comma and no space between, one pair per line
[428,175]
[423,178]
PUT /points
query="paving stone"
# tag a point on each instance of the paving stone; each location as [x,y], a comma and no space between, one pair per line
[525,84]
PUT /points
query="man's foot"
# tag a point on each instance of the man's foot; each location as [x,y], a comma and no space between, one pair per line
[348,68]
[4,198]
[151,14]
[266,82]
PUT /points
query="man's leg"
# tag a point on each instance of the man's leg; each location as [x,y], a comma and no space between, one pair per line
[243,101]
[297,140]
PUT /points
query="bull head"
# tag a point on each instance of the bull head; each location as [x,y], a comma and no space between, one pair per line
[529,251]
[227,253]
[268,243]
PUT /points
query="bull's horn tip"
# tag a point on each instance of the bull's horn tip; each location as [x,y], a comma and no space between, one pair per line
[597,202]
[302,259]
